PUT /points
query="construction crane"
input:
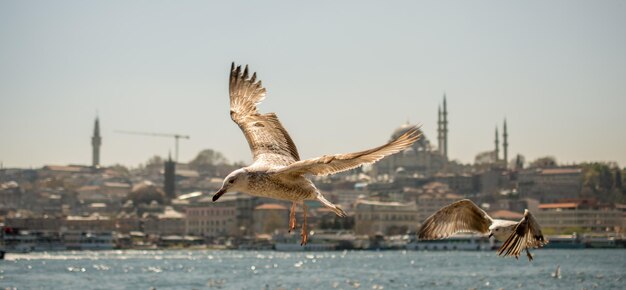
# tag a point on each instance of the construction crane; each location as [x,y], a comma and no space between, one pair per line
[176,137]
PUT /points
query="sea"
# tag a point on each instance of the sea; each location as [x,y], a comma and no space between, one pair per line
[222,269]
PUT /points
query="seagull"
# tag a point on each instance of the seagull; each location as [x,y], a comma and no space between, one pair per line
[557,272]
[466,216]
[277,171]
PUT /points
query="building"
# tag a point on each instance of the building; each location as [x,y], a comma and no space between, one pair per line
[465,184]
[419,159]
[269,217]
[231,216]
[115,190]
[491,158]
[388,218]
[169,222]
[579,216]
[210,220]
[432,197]
[91,223]
[347,198]
[10,195]
[549,185]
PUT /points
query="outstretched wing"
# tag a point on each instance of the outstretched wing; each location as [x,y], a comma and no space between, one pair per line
[330,164]
[460,216]
[527,234]
[269,141]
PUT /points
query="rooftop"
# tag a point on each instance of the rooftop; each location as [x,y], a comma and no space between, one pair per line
[561,171]
[270,206]
[506,214]
[558,205]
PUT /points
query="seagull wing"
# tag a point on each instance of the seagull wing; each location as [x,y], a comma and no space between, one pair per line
[527,234]
[268,140]
[460,216]
[330,164]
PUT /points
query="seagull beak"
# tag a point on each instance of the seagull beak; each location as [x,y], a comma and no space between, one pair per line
[490,234]
[219,193]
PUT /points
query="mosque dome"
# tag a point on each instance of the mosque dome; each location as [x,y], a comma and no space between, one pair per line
[403,129]
[146,192]
[421,144]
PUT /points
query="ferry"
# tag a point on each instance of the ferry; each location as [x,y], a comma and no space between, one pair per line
[88,240]
[564,242]
[601,242]
[459,242]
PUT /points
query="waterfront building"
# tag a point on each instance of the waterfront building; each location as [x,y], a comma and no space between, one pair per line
[270,217]
[387,218]
[231,216]
[169,222]
[579,216]
[209,220]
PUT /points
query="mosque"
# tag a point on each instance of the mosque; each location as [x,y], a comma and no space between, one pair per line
[422,158]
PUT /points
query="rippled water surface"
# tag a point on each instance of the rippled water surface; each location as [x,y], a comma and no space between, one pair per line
[181,269]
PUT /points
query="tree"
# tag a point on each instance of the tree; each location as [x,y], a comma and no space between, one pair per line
[543,162]
[207,159]
[120,170]
[154,164]
[155,160]
[605,184]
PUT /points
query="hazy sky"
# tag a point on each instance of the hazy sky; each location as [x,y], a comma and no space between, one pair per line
[341,75]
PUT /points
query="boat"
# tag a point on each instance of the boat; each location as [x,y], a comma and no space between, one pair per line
[88,240]
[600,242]
[564,242]
[459,242]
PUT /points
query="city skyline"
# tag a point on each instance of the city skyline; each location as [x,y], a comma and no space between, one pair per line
[553,70]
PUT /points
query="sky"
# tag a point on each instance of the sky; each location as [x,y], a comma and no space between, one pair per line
[341,76]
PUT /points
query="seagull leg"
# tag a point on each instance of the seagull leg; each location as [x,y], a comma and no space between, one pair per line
[304,234]
[292,217]
[530,257]
[335,208]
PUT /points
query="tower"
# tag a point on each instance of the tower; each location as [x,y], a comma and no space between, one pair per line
[497,150]
[96,141]
[169,180]
[505,144]
[445,127]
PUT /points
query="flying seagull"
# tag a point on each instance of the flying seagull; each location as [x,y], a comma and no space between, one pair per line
[466,216]
[277,171]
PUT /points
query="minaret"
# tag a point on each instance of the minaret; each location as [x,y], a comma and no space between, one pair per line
[497,151]
[439,132]
[505,144]
[96,141]
[445,128]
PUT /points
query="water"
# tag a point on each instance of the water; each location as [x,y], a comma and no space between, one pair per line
[182,269]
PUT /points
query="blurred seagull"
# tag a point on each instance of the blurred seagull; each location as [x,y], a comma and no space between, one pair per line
[465,216]
[277,171]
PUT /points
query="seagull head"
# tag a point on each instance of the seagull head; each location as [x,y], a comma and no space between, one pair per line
[235,180]
[501,229]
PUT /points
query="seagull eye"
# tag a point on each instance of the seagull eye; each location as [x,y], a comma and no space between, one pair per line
[231,181]
[496,230]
